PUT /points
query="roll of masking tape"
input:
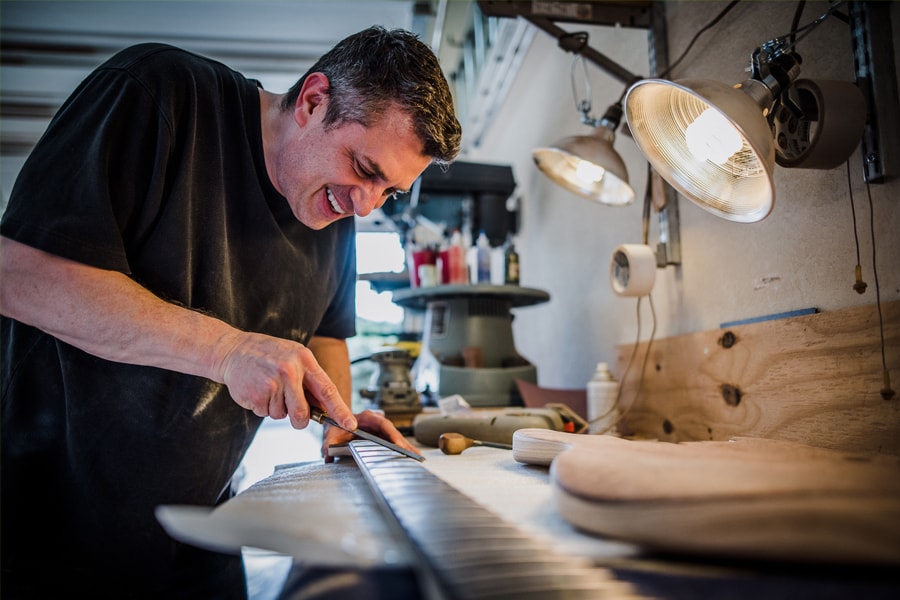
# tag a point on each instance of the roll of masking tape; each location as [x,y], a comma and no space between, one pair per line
[632,270]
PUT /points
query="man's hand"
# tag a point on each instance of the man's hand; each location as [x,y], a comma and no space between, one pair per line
[273,377]
[370,421]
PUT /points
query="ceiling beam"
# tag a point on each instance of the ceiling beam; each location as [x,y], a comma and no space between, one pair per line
[589,12]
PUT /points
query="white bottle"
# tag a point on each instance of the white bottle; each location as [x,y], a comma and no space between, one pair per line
[483,259]
[498,262]
[602,393]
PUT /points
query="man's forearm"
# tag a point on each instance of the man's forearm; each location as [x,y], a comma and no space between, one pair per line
[107,314]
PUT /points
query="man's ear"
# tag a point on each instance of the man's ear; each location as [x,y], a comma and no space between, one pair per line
[313,97]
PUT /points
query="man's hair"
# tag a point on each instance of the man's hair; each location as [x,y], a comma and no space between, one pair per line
[370,71]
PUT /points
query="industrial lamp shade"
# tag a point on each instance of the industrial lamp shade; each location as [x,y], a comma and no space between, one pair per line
[589,166]
[709,140]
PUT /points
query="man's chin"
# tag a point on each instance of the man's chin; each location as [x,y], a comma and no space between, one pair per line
[320,224]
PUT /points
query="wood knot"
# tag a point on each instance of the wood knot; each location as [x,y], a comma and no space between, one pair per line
[731,394]
[728,339]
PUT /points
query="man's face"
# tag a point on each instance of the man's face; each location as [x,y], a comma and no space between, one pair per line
[328,175]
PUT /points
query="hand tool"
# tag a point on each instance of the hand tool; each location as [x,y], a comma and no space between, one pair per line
[320,416]
[455,443]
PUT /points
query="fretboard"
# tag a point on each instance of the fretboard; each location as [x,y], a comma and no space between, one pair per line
[468,550]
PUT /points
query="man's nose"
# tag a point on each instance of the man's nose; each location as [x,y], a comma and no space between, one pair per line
[366,198]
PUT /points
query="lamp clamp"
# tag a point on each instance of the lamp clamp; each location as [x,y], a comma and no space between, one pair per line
[610,119]
[574,42]
[613,115]
[776,71]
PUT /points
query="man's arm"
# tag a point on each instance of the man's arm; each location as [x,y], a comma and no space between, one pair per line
[334,356]
[107,314]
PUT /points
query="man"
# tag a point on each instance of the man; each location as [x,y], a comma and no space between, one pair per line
[178,261]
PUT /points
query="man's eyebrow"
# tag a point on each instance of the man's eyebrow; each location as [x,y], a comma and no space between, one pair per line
[375,169]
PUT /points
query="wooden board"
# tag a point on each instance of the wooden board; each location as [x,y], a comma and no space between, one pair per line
[748,498]
[813,379]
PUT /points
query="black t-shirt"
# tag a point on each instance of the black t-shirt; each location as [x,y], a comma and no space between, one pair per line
[153,167]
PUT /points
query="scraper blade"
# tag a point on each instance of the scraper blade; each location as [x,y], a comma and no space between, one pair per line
[320,416]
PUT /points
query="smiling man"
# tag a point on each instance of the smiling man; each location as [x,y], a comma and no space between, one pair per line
[178,262]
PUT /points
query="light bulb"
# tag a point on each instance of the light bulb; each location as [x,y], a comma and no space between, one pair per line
[712,137]
[589,172]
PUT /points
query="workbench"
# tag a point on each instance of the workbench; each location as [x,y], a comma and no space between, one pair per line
[328,514]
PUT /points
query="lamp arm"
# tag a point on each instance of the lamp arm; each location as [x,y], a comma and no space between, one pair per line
[611,67]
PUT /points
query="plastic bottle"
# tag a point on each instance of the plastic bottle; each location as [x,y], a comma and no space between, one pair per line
[443,261]
[470,256]
[483,247]
[602,393]
[457,255]
[498,265]
[510,262]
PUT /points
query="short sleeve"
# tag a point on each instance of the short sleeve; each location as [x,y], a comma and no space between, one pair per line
[339,320]
[92,179]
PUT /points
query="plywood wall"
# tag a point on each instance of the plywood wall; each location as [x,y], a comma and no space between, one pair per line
[815,379]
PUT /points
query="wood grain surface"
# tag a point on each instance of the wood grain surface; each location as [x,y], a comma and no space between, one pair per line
[749,498]
[814,379]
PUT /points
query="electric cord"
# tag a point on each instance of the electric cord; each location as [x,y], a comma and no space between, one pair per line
[795,22]
[576,41]
[637,393]
[783,43]
[697,35]
[887,392]
[860,285]
[648,200]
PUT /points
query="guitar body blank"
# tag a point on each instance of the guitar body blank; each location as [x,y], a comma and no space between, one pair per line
[749,498]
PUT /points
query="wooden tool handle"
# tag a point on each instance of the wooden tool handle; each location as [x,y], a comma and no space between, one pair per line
[455,443]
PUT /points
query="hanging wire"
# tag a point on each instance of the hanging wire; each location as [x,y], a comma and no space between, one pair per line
[622,380]
[860,285]
[648,200]
[783,43]
[580,105]
[886,392]
[774,46]
[583,106]
[795,22]
[697,35]
[645,220]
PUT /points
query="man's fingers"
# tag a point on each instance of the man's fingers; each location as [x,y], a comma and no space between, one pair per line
[278,406]
[383,427]
[296,405]
[328,398]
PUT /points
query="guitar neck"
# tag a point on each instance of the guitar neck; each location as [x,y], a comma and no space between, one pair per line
[466,551]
